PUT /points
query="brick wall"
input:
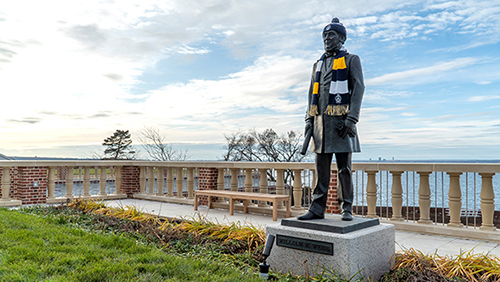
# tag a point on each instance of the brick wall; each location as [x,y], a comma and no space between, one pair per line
[332,205]
[207,180]
[130,180]
[26,190]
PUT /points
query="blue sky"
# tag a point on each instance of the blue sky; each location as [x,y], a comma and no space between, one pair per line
[72,72]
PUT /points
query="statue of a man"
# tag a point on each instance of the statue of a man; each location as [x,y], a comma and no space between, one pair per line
[335,96]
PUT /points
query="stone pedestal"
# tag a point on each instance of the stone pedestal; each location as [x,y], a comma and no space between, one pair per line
[359,248]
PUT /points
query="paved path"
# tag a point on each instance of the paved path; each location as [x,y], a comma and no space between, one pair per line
[428,244]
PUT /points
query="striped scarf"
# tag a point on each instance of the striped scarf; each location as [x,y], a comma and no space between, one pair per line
[338,99]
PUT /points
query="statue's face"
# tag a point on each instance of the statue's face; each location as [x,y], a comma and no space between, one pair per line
[332,42]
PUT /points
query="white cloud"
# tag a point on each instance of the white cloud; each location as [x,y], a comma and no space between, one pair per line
[67,67]
[271,83]
[384,96]
[484,82]
[484,98]
[421,73]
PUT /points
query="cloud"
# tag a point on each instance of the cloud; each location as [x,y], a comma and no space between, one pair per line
[29,120]
[421,73]
[113,76]
[187,50]
[70,65]
[484,82]
[101,115]
[483,98]
[272,82]
[384,96]
[90,35]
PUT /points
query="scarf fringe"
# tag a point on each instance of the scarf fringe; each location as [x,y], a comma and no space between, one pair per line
[314,110]
[336,110]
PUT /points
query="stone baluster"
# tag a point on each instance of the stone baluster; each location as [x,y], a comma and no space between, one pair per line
[234,179]
[51,185]
[487,201]
[424,197]
[180,182]
[297,190]
[455,199]
[371,194]
[86,181]
[248,180]
[190,183]
[170,182]
[220,182]
[118,179]
[397,196]
[142,180]
[160,181]
[263,186]
[102,181]
[280,186]
[220,179]
[151,180]
[6,184]
[69,182]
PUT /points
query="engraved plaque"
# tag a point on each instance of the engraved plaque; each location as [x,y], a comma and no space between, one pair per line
[304,244]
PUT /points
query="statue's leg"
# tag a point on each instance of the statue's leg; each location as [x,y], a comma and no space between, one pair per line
[320,194]
[345,188]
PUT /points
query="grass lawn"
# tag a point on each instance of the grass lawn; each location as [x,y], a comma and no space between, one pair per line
[33,248]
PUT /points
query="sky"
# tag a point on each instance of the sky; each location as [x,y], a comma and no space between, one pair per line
[73,72]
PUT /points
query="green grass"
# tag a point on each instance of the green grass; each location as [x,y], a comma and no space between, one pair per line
[34,248]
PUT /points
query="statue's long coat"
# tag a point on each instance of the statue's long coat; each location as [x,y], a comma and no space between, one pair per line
[325,135]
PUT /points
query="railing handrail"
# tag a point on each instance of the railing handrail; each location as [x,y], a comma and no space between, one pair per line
[366,166]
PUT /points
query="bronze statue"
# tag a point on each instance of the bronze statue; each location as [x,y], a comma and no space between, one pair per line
[335,96]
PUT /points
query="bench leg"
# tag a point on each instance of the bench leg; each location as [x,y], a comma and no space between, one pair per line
[275,210]
[209,202]
[231,206]
[245,206]
[195,202]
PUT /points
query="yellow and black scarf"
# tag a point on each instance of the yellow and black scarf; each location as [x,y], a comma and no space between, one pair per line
[338,99]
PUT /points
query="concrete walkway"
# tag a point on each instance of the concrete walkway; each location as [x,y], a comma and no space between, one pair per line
[425,243]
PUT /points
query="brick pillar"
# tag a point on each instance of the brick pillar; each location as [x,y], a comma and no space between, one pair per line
[130,180]
[332,205]
[13,183]
[207,180]
[26,190]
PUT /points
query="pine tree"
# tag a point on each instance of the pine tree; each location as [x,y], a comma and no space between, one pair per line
[118,146]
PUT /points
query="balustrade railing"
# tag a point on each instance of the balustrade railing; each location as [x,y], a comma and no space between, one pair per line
[428,197]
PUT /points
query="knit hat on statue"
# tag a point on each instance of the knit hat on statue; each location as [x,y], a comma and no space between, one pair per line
[337,26]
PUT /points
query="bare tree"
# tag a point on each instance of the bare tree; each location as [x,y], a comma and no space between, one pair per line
[157,148]
[264,146]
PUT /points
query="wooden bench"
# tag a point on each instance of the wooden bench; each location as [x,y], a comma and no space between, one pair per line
[245,196]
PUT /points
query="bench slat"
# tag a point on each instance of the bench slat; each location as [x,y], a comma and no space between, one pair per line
[232,195]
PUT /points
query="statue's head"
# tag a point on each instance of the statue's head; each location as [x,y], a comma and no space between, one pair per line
[334,35]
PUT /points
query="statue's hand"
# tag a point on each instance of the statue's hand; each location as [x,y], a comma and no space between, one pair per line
[348,128]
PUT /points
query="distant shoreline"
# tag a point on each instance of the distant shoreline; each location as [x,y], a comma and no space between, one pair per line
[355,161]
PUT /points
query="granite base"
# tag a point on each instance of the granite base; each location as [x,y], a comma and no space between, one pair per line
[363,253]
